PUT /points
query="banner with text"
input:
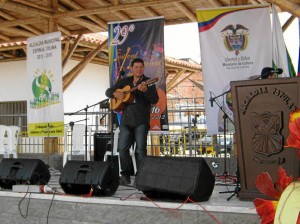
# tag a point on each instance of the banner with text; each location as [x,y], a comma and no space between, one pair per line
[45,112]
[141,39]
[235,44]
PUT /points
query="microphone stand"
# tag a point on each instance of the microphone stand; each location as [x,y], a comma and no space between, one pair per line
[86,109]
[225,116]
[118,79]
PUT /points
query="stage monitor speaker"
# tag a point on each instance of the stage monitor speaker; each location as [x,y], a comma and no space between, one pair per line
[80,177]
[101,145]
[175,178]
[23,171]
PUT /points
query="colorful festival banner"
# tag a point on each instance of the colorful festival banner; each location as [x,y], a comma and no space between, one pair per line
[141,39]
[45,112]
[235,44]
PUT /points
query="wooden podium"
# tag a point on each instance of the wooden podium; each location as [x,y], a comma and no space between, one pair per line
[261,116]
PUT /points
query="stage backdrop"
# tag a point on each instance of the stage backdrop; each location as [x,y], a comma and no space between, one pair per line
[45,112]
[235,44]
[140,39]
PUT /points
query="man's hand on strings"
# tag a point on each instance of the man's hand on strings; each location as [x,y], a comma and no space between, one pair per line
[119,95]
[142,87]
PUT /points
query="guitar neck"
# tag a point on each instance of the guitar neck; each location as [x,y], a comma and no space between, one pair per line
[148,82]
[131,90]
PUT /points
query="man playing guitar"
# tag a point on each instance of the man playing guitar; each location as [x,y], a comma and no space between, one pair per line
[135,121]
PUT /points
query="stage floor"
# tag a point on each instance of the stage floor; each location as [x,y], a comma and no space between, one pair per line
[218,209]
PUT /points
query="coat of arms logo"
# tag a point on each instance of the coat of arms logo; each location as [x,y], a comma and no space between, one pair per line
[267,139]
[235,38]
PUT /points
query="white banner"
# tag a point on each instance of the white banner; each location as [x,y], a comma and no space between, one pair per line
[235,44]
[280,53]
[45,112]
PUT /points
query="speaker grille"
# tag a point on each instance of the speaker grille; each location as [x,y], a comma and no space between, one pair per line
[188,177]
[80,177]
[23,171]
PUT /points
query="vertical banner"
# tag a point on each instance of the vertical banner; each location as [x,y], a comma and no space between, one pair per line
[45,112]
[235,44]
[141,39]
[298,72]
[281,57]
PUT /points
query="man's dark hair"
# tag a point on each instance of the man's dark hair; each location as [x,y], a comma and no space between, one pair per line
[137,60]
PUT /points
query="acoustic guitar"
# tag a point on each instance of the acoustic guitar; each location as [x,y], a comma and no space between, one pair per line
[119,104]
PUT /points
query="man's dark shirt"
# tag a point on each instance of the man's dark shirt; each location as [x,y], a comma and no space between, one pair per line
[138,112]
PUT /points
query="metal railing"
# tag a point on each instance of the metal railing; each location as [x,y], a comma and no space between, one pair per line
[183,139]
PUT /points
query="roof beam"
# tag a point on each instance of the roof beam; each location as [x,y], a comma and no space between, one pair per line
[122,15]
[186,11]
[288,23]
[215,3]
[291,7]
[90,25]
[99,10]
[197,84]
[70,77]
[7,55]
[150,11]
[4,37]
[52,26]
[34,5]
[94,18]
[16,22]
[169,85]
[182,65]
[55,5]
[17,31]
[172,87]
[63,29]
[20,8]
[74,45]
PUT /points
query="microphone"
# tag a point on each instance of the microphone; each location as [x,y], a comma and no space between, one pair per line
[211,100]
[277,71]
[267,71]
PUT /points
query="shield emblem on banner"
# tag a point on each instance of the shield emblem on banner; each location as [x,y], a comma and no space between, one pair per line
[267,139]
[235,38]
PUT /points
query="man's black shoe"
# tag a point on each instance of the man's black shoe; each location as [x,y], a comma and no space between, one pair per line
[124,180]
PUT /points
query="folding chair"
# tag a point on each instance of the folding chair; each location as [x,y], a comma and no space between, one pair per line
[116,153]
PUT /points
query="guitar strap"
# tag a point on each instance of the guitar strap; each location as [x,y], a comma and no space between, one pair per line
[140,80]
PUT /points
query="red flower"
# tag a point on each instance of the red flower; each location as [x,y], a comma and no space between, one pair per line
[265,208]
[283,180]
[293,139]
[265,185]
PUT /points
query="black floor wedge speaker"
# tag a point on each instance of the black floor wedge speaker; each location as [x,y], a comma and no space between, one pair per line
[175,178]
[80,177]
[23,171]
